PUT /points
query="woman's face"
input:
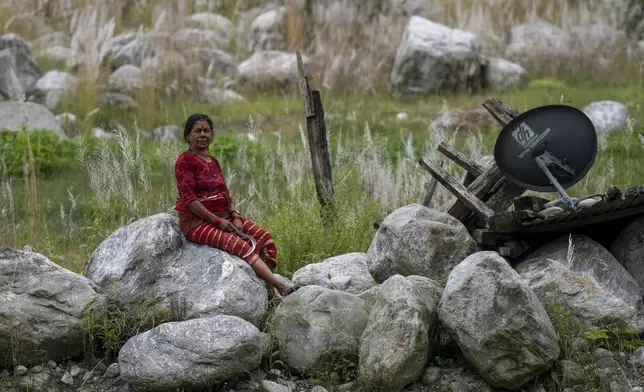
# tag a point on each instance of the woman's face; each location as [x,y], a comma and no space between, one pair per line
[200,136]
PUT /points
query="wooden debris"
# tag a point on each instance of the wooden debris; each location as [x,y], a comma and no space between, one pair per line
[430,188]
[318,145]
[453,185]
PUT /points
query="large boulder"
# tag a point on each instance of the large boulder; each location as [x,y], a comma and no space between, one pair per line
[151,257]
[628,249]
[348,272]
[436,58]
[267,32]
[498,322]
[502,74]
[606,115]
[530,43]
[55,86]
[41,308]
[192,354]
[416,240]
[315,328]
[399,337]
[25,67]
[38,117]
[270,68]
[126,79]
[582,276]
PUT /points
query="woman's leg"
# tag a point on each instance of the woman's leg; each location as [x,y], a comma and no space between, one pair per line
[208,234]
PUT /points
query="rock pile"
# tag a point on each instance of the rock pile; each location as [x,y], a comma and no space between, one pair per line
[379,319]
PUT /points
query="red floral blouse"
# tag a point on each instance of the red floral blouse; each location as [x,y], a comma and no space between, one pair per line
[200,180]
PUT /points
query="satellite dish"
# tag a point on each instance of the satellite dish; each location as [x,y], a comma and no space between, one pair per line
[547,149]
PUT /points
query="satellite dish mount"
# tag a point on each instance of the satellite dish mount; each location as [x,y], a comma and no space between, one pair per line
[546,149]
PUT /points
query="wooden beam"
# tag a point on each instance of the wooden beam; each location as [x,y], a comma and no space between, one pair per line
[453,185]
[318,145]
[430,188]
[470,166]
[480,187]
[305,89]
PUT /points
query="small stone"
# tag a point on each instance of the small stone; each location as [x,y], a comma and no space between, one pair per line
[37,369]
[402,116]
[51,364]
[67,379]
[19,371]
[4,373]
[348,387]
[586,203]
[270,386]
[571,371]
[275,372]
[257,375]
[318,388]
[602,353]
[112,371]
[637,389]
[549,212]
[432,376]
[617,387]
[75,371]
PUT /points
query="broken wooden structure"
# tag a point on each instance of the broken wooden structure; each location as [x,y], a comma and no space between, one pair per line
[318,144]
[485,195]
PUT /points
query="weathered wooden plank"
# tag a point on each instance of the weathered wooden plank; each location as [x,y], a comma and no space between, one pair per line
[571,224]
[470,200]
[480,188]
[491,186]
[319,150]
[460,159]
[305,90]
[430,188]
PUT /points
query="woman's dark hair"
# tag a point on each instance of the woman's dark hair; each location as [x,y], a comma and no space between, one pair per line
[192,120]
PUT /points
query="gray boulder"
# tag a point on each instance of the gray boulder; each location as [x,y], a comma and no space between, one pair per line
[126,79]
[502,74]
[25,67]
[583,277]
[316,327]
[168,132]
[267,32]
[435,58]
[211,20]
[416,240]
[498,322]
[399,337]
[38,117]
[530,43]
[191,354]
[151,256]
[134,48]
[628,249]
[607,115]
[266,68]
[55,86]
[41,308]
[348,272]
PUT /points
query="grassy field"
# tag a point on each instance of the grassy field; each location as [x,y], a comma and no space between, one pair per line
[64,198]
[83,189]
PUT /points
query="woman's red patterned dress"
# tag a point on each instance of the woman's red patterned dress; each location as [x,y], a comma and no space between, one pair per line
[199,180]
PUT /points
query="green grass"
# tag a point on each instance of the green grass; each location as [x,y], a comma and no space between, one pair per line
[275,187]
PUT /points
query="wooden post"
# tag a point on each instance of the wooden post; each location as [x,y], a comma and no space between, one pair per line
[318,145]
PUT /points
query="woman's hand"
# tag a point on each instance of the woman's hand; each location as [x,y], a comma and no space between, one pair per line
[238,224]
[225,225]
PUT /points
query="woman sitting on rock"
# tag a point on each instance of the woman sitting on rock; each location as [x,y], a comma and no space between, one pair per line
[206,214]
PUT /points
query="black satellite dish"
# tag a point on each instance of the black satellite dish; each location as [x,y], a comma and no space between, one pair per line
[547,149]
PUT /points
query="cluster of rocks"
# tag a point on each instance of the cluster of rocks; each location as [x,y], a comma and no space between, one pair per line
[424,309]
[430,57]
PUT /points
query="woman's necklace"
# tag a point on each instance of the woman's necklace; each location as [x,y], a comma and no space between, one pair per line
[207,159]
